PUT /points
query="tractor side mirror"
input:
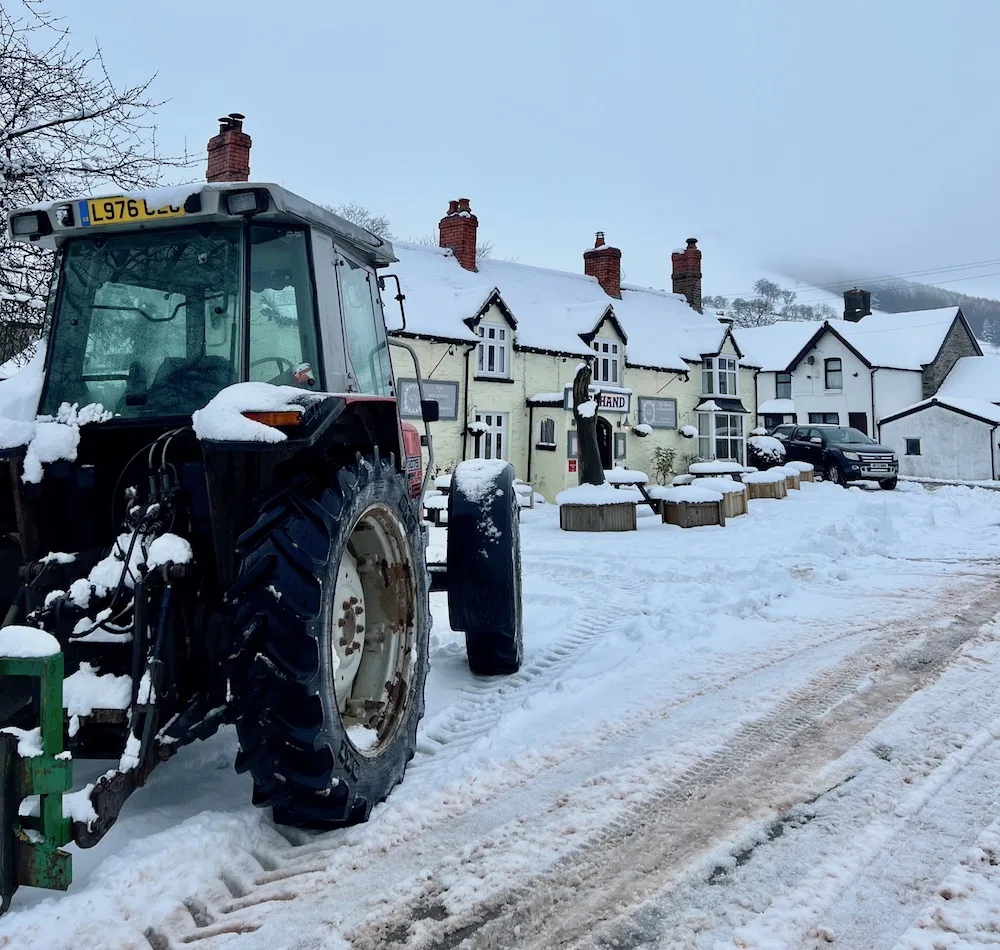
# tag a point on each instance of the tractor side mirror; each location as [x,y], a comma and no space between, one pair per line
[430,410]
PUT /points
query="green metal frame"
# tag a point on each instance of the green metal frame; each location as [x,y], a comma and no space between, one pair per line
[38,858]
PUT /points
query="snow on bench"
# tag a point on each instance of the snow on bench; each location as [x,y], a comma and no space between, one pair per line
[626,476]
[687,494]
[716,468]
[595,495]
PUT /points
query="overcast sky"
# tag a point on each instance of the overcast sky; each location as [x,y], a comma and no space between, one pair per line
[860,133]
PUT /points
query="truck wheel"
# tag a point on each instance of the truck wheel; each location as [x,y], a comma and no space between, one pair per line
[832,474]
[888,484]
[330,656]
[484,566]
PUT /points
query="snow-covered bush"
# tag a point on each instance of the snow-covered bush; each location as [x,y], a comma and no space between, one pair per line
[763,451]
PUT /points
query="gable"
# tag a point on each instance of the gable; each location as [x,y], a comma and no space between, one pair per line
[608,328]
[830,344]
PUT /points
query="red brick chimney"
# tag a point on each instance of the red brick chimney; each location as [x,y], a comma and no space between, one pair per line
[605,263]
[457,230]
[687,273]
[229,151]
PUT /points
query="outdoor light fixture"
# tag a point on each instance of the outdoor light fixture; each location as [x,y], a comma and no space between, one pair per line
[246,202]
[30,225]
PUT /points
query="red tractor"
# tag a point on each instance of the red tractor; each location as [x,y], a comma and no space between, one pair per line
[214,517]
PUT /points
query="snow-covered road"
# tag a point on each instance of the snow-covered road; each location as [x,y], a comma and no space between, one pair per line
[778,734]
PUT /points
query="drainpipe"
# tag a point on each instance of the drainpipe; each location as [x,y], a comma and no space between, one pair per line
[875,425]
[993,457]
[465,403]
[531,437]
[756,397]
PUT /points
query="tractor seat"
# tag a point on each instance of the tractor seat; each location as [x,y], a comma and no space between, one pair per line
[182,385]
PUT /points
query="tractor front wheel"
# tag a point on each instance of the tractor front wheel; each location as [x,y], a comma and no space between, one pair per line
[329,663]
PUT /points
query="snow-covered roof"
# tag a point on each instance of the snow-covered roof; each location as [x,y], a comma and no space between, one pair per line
[773,347]
[901,340]
[893,340]
[974,407]
[974,377]
[551,308]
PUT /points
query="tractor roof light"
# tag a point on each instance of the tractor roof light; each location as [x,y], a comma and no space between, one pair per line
[247,202]
[31,225]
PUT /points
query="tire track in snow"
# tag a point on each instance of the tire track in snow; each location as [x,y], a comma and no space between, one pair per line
[649,847]
[261,882]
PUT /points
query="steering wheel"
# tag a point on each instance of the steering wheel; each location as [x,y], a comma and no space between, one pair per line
[284,366]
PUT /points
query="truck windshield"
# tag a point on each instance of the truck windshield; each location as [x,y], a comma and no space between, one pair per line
[847,435]
[149,323]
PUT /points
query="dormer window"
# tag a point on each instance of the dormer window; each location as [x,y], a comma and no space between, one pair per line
[608,363]
[720,376]
[493,357]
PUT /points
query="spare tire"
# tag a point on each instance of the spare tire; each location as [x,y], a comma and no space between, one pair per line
[484,565]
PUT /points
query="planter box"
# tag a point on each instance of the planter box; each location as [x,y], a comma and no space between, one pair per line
[694,514]
[597,517]
[767,489]
[809,476]
[792,482]
[734,504]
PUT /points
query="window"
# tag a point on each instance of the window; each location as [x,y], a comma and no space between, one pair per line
[491,440]
[366,343]
[571,444]
[772,421]
[607,362]
[719,377]
[913,446]
[783,386]
[546,434]
[834,374]
[492,356]
[824,418]
[282,317]
[721,435]
[621,445]
[147,323]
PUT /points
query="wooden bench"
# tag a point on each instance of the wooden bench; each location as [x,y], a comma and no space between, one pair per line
[596,508]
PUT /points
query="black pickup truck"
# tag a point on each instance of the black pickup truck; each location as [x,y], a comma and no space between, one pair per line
[840,454]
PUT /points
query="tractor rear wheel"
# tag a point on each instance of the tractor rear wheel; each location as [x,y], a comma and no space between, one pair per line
[330,658]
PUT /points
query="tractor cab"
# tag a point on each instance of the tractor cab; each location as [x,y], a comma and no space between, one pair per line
[159,306]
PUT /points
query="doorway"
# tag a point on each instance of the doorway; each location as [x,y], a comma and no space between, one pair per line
[859,421]
[605,437]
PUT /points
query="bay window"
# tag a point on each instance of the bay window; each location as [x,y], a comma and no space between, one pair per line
[721,435]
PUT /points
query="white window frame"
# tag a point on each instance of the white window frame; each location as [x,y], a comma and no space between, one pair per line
[718,369]
[709,436]
[607,365]
[496,345]
[495,440]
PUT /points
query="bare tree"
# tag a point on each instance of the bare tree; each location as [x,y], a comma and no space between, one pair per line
[770,303]
[66,129]
[358,214]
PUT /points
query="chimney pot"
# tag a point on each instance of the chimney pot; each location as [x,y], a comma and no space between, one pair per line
[458,230]
[604,263]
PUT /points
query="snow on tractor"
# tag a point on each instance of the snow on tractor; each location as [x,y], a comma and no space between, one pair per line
[211,514]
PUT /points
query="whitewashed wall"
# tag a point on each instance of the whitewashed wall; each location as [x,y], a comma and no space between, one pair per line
[951,445]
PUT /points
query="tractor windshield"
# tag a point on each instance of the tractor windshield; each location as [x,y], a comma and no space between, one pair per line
[149,323]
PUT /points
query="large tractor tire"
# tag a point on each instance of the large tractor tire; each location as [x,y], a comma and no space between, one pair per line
[484,566]
[330,657]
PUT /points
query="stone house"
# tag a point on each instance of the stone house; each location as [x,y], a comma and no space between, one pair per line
[499,344]
[854,371]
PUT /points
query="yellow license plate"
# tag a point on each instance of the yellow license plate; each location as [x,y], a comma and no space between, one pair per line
[123,211]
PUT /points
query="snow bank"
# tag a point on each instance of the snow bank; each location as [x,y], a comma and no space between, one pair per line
[726,486]
[87,690]
[222,420]
[27,642]
[593,495]
[770,477]
[715,468]
[168,549]
[688,494]
[626,476]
